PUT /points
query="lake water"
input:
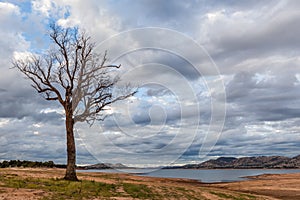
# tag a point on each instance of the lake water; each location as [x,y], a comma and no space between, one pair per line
[203,175]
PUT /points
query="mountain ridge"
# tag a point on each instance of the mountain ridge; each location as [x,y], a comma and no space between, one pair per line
[258,162]
[264,162]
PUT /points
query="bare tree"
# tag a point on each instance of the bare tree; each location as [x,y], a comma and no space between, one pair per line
[73,74]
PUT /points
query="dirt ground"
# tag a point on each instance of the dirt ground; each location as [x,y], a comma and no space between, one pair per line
[286,186]
[280,186]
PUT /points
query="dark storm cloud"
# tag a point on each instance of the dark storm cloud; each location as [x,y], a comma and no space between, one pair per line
[16,105]
[179,64]
[278,33]
[266,31]
[49,118]
[240,5]
[254,146]
[149,146]
[24,102]
[26,141]
[154,91]
[265,100]
[158,13]
[169,62]
[157,113]
[13,109]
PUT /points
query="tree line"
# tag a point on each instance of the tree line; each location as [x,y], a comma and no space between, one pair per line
[30,164]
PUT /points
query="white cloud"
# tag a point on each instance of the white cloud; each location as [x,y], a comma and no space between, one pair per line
[43,6]
[4,122]
[8,9]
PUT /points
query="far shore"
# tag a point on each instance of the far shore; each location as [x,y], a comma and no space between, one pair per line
[161,168]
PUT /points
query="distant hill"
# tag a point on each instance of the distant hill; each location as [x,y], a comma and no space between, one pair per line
[260,162]
[106,166]
[265,162]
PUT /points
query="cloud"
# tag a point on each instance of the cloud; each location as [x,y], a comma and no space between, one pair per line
[270,99]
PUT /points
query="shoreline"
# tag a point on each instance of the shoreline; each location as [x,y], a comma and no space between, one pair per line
[267,186]
[216,177]
[187,168]
[254,177]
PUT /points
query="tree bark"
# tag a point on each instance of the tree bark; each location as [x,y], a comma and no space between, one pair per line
[71,149]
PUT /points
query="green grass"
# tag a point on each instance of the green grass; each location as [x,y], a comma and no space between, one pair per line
[247,196]
[139,191]
[61,189]
[229,196]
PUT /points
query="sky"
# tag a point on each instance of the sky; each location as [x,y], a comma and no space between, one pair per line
[217,78]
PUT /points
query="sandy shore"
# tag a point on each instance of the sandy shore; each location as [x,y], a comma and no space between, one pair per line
[280,186]
[286,186]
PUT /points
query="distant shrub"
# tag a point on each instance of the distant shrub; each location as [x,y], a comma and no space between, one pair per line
[25,163]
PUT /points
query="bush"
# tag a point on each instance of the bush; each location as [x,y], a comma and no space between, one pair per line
[25,163]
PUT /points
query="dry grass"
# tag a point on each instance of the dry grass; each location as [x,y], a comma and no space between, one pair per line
[46,184]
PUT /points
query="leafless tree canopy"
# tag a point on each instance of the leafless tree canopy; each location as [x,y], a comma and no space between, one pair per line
[76,76]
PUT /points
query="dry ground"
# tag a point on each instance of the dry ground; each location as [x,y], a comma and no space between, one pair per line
[281,186]
[16,183]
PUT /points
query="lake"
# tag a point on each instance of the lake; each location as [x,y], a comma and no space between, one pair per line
[203,175]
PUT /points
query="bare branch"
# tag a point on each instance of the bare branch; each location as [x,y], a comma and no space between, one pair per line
[76,76]
[72,73]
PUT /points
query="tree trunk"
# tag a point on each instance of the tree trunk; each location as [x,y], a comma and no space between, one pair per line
[71,149]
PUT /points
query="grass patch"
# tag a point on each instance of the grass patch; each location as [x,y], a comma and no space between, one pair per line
[2,191]
[121,186]
[229,196]
[222,195]
[62,189]
[78,190]
[189,194]
[139,191]
[247,196]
